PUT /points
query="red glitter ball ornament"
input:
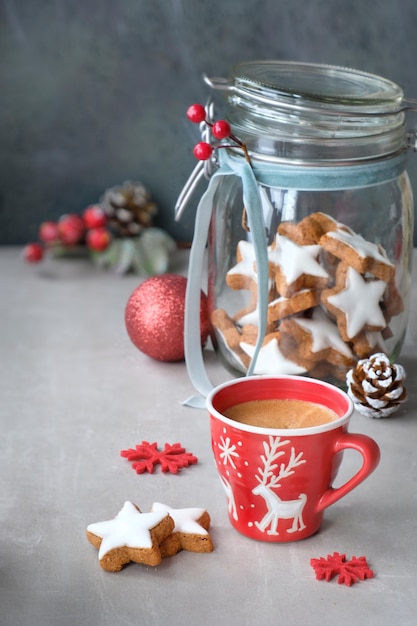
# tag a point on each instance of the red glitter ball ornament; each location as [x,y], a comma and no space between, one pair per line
[154,317]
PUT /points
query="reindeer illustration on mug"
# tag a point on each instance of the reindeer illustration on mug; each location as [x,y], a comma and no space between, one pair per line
[269,480]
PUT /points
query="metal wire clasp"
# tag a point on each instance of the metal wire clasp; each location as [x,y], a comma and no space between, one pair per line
[410,104]
[412,139]
[203,169]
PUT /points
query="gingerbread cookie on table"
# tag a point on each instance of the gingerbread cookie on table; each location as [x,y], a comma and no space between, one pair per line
[190,531]
[355,302]
[130,536]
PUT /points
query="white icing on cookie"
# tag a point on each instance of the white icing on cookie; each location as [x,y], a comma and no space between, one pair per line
[246,265]
[359,300]
[336,224]
[271,360]
[295,260]
[185,520]
[360,245]
[283,299]
[324,333]
[129,528]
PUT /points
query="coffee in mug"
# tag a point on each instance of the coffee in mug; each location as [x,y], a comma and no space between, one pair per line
[285,413]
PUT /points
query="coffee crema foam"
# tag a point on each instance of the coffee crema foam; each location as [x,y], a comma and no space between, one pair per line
[281,413]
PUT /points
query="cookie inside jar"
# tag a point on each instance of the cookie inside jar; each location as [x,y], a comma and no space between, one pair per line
[335,295]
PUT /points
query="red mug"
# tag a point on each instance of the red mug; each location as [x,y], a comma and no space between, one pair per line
[278,481]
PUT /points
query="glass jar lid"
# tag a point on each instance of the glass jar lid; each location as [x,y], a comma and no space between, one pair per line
[320,84]
[314,114]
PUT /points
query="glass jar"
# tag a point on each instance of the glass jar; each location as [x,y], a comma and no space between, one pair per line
[310,243]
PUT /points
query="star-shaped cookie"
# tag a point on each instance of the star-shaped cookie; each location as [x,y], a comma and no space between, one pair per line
[130,536]
[355,302]
[364,256]
[190,531]
[297,267]
[243,274]
[318,338]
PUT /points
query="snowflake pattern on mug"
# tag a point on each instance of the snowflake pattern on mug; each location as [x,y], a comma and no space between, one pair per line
[227,451]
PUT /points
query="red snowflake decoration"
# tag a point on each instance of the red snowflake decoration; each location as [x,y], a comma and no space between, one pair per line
[348,572]
[146,455]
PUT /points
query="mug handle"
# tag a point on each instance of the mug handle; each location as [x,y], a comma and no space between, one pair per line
[371,455]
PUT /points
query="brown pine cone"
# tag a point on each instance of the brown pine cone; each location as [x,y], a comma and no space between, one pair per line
[129,208]
[375,386]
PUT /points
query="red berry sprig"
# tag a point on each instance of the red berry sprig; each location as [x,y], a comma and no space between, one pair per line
[71,230]
[196,113]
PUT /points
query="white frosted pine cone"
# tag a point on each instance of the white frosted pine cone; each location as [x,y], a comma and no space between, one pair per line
[376,387]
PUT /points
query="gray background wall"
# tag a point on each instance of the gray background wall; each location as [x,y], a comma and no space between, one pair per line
[94,92]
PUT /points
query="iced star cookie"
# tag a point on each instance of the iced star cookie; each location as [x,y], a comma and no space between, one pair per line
[364,256]
[316,339]
[297,267]
[190,531]
[243,274]
[284,307]
[310,229]
[130,536]
[355,303]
